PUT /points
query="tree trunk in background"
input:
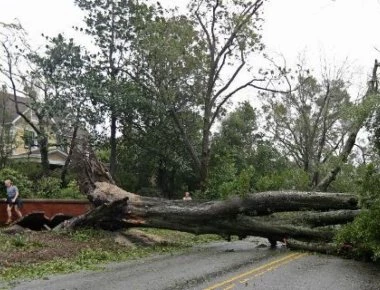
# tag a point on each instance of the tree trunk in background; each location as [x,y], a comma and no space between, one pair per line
[44,151]
[68,159]
[350,142]
[205,154]
[331,176]
[113,145]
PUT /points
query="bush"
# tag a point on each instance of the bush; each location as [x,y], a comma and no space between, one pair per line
[292,179]
[44,187]
[32,170]
[23,184]
[241,185]
[221,175]
[363,234]
[369,187]
[47,187]
[71,191]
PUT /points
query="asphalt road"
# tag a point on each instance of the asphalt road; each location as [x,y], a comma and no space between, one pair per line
[236,265]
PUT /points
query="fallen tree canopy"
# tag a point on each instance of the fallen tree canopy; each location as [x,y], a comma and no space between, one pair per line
[305,218]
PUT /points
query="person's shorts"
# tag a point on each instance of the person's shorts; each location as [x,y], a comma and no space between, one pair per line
[17,202]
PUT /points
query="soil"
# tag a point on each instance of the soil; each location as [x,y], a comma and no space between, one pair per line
[42,246]
[38,246]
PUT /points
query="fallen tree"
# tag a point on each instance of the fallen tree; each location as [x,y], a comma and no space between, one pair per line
[308,217]
[237,216]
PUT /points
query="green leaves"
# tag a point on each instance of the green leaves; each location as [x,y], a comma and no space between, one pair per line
[309,123]
[363,234]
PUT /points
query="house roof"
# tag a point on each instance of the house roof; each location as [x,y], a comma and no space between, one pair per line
[56,156]
[8,109]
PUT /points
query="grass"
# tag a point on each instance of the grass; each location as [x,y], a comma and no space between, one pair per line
[94,249]
[18,241]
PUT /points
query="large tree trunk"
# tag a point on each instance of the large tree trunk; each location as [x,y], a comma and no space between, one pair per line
[276,215]
[320,247]
[241,216]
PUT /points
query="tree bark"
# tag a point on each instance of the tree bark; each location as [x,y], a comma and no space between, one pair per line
[241,216]
[44,151]
[320,247]
[69,156]
[314,218]
[278,216]
[113,144]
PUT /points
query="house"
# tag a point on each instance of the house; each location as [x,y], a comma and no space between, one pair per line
[18,140]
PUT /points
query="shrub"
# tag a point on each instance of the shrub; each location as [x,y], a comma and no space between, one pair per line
[369,187]
[294,178]
[363,234]
[23,184]
[71,191]
[47,187]
[32,170]
[241,185]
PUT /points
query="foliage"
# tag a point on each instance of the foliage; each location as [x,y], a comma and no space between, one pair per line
[179,60]
[225,181]
[31,170]
[241,185]
[7,140]
[43,187]
[154,149]
[50,187]
[349,179]
[309,124]
[165,79]
[19,241]
[71,191]
[238,138]
[224,171]
[47,187]
[112,25]
[290,179]
[369,186]
[363,234]
[243,162]
[29,86]
[23,184]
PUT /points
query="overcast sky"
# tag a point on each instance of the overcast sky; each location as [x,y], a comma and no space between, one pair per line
[327,29]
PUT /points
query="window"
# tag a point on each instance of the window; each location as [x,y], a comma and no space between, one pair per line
[29,139]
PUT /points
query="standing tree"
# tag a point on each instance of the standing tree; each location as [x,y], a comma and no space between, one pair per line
[193,63]
[7,139]
[317,125]
[110,24]
[360,114]
[64,67]
[27,85]
[238,136]
[309,124]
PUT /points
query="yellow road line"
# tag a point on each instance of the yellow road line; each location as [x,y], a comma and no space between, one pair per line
[278,265]
[230,287]
[262,269]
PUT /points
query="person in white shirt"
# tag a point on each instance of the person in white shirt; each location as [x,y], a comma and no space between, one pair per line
[13,200]
[187,196]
